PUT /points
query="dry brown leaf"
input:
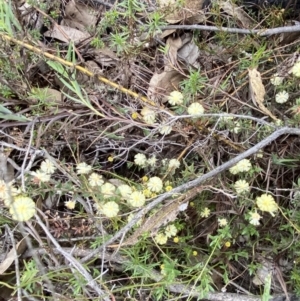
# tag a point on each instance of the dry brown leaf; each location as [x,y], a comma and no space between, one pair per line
[66,34]
[191,13]
[173,45]
[80,14]
[53,95]
[237,12]
[190,53]
[166,33]
[105,57]
[163,84]
[10,258]
[258,91]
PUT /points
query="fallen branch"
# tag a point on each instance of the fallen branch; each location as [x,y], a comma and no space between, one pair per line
[259,32]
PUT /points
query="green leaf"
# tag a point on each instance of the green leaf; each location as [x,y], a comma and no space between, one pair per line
[9,115]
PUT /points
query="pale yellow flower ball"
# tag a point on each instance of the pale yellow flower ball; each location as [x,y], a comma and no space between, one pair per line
[195,109]
[168,188]
[152,161]
[147,193]
[22,209]
[282,97]
[241,186]
[5,190]
[137,199]
[227,244]
[47,167]
[108,190]
[41,176]
[276,80]
[161,239]
[155,184]
[170,231]
[165,130]
[176,239]
[125,191]
[83,168]
[134,115]
[254,218]
[140,160]
[149,115]
[242,166]
[174,164]
[222,222]
[70,204]
[267,203]
[205,213]
[296,69]
[95,180]
[145,179]
[110,209]
[11,193]
[175,98]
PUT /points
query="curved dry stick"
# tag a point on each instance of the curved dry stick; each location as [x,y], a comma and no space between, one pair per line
[259,32]
[198,181]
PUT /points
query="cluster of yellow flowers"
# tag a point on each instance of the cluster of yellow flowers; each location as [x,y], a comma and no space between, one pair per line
[265,203]
[162,237]
[43,175]
[242,166]
[276,80]
[176,98]
[21,207]
[142,161]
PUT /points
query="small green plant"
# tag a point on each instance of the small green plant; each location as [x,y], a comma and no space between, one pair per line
[97,42]
[29,276]
[42,100]
[193,85]
[120,42]
[131,7]
[155,21]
